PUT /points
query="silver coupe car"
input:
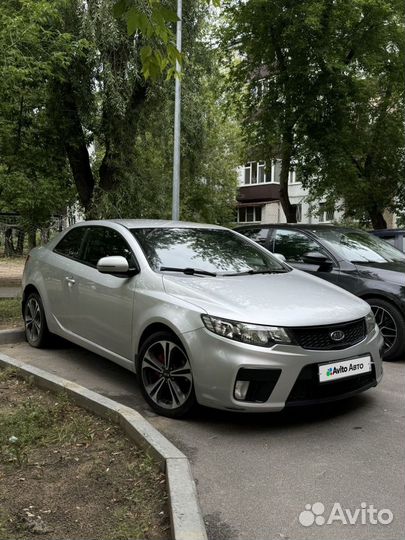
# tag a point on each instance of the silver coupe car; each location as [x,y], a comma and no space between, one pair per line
[202,314]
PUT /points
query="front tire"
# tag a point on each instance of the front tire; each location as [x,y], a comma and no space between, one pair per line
[392,326]
[164,374]
[36,329]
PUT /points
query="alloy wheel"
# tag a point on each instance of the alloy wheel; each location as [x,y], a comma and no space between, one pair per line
[387,325]
[166,374]
[33,322]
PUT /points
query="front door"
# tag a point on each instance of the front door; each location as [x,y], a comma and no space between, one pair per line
[294,244]
[105,302]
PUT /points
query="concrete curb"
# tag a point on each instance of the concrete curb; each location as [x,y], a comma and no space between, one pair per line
[185,515]
[12,335]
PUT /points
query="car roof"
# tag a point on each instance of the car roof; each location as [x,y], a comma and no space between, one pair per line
[316,226]
[388,231]
[152,223]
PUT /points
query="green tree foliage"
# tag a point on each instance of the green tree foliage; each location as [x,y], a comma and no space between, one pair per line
[353,143]
[97,105]
[153,19]
[34,177]
[210,144]
[320,85]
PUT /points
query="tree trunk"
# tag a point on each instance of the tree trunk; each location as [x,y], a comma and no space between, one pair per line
[120,136]
[8,243]
[44,235]
[67,120]
[286,152]
[377,219]
[32,238]
[20,242]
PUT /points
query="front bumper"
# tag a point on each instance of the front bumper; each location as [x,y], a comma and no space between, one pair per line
[216,362]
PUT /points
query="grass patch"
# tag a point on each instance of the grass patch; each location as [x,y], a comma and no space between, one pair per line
[71,474]
[7,373]
[10,312]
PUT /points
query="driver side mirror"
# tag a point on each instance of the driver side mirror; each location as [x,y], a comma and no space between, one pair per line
[318,258]
[115,265]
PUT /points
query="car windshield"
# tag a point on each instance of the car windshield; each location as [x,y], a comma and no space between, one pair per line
[208,250]
[360,247]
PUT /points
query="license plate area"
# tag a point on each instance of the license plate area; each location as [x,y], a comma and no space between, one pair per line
[343,369]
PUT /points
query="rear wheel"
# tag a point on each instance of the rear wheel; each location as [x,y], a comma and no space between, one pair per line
[392,326]
[36,329]
[164,375]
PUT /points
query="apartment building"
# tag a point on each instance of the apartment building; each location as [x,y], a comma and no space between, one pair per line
[258,199]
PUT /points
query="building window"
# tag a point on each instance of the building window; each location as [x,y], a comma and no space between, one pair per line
[250,214]
[254,173]
[261,173]
[247,174]
[325,215]
[292,177]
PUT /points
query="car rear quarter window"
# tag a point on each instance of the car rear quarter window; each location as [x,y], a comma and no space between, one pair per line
[71,244]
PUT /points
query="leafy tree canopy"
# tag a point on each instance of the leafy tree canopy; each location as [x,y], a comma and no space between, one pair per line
[34,177]
[320,84]
[76,110]
[153,19]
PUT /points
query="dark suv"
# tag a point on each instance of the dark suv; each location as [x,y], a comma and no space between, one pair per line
[350,258]
[395,237]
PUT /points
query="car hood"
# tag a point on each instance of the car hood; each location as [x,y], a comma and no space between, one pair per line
[291,299]
[391,272]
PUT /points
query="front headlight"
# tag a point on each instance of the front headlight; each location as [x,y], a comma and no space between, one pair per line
[370,322]
[253,334]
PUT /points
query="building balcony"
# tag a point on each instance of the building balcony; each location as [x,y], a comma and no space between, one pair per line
[258,193]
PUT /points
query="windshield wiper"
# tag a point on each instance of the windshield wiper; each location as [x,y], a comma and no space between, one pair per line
[187,271]
[253,272]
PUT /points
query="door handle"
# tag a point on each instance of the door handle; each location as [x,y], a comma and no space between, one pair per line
[70,280]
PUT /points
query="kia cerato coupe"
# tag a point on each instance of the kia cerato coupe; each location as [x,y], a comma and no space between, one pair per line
[202,315]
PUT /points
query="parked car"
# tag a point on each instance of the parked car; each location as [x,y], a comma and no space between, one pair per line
[202,315]
[353,259]
[395,237]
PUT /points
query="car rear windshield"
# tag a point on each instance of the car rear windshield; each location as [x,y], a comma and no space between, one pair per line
[360,247]
[210,250]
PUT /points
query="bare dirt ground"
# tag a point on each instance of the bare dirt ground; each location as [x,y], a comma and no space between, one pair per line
[11,271]
[65,473]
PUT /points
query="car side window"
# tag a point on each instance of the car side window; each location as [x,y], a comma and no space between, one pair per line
[294,244]
[105,242]
[257,234]
[71,244]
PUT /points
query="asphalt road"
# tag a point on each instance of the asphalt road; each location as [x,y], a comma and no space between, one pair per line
[256,473]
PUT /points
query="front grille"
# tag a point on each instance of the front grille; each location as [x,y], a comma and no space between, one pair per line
[318,338]
[307,387]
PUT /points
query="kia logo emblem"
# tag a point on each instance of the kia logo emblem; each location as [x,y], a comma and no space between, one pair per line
[337,335]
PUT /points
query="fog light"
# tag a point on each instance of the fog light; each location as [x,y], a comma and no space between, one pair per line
[241,389]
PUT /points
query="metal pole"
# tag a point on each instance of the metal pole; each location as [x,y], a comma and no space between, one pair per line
[177,124]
